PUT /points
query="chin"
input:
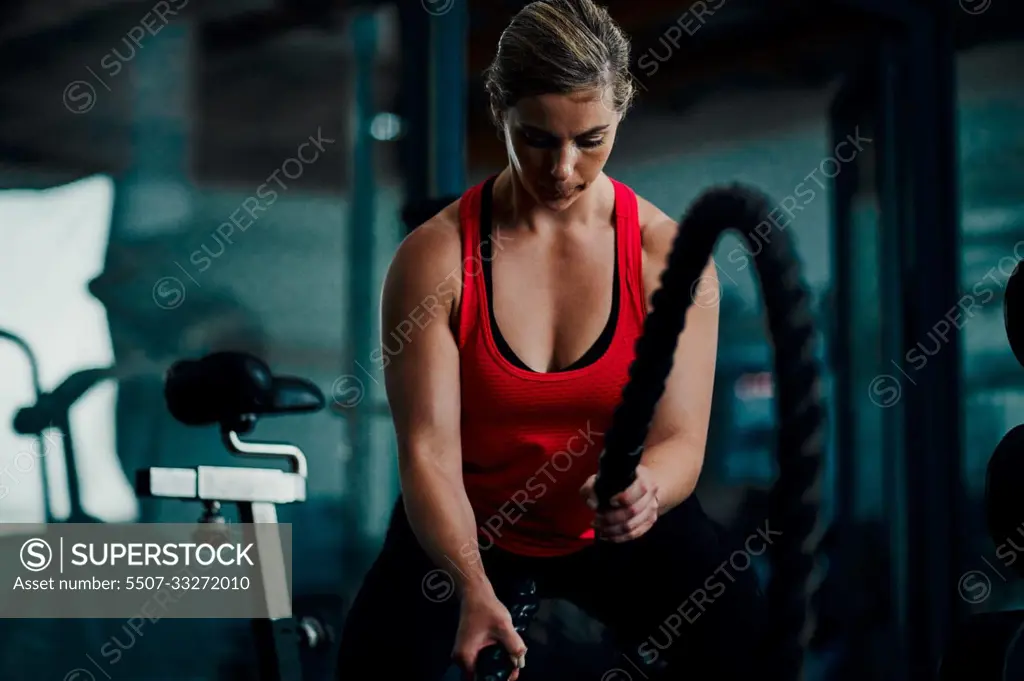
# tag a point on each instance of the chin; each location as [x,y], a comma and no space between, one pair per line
[557,203]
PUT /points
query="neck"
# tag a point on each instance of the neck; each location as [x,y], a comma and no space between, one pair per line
[518,207]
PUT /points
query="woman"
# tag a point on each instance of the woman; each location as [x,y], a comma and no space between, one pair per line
[501,395]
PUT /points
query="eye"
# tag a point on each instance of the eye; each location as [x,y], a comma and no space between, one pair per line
[591,142]
[536,139]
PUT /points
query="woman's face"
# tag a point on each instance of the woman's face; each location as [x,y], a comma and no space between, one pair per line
[558,144]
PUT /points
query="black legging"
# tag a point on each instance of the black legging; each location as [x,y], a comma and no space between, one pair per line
[683,594]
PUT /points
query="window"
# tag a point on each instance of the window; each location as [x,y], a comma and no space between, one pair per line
[54,243]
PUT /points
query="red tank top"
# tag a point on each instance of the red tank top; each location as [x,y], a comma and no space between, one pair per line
[530,440]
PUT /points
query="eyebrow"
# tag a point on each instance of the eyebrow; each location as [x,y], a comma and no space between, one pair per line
[585,133]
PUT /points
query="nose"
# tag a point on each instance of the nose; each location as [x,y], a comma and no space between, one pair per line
[563,163]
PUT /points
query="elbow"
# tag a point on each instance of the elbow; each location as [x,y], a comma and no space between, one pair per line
[420,460]
[411,460]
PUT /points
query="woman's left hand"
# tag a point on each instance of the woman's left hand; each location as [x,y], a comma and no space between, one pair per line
[633,511]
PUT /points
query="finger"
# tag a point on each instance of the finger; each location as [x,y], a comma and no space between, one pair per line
[645,517]
[631,494]
[512,642]
[465,656]
[461,658]
[635,533]
[650,498]
[517,664]
[611,518]
[587,492]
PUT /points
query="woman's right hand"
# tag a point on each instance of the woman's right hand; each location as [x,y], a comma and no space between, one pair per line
[484,621]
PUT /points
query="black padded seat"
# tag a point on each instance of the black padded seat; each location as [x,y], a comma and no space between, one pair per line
[225,387]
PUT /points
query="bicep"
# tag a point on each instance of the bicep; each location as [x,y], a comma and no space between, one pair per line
[684,410]
[421,365]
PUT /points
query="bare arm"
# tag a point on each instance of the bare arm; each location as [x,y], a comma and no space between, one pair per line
[673,453]
[674,450]
[423,388]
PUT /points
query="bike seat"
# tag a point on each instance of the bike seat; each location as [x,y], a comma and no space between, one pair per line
[225,387]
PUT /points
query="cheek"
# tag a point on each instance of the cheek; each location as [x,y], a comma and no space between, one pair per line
[530,161]
[528,157]
[592,161]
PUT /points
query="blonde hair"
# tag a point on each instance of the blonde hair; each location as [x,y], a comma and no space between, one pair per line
[559,47]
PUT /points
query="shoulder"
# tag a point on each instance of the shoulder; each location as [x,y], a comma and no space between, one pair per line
[434,244]
[428,259]
[657,229]
[657,234]
[437,239]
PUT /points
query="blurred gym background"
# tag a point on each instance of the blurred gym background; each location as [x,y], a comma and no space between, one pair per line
[133,134]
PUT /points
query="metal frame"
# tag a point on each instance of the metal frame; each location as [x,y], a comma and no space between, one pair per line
[256,491]
[434,100]
[916,165]
[842,117]
[37,392]
[927,186]
[359,267]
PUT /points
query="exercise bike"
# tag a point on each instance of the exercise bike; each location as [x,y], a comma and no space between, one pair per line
[52,410]
[233,390]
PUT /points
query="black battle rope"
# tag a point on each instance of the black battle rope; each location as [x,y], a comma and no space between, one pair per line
[794,500]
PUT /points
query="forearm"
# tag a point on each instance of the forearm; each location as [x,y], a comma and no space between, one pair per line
[676,465]
[442,519]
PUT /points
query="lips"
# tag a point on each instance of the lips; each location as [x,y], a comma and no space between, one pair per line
[553,193]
